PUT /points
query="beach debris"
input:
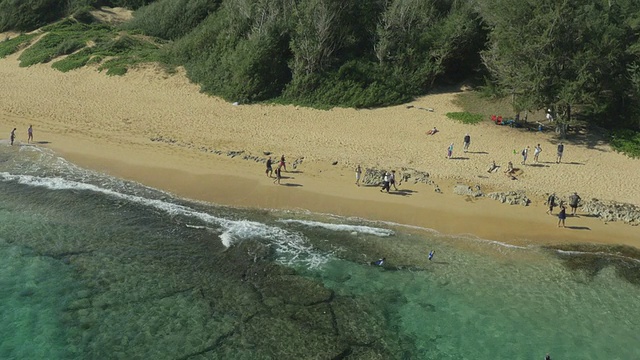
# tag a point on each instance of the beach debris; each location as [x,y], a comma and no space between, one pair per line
[335,162]
[233,154]
[420,108]
[267,153]
[437,189]
[235,103]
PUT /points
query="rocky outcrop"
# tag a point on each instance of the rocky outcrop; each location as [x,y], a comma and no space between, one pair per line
[511,197]
[505,197]
[461,189]
[612,211]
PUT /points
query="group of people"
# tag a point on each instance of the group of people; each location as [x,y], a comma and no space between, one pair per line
[466,141]
[12,135]
[388,180]
[536,153]
[574,201]
[281,165]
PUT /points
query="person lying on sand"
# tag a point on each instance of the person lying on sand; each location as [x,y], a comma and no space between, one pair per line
[432,131]
[492,167]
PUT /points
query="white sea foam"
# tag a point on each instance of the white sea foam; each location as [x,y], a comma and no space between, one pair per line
[342,227]
[292,246]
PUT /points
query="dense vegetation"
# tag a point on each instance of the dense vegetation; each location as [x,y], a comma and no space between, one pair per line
[575,57]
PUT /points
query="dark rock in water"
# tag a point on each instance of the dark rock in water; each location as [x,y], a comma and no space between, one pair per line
[590,259]
[368,353]
[295,290]
[357,320]
[27,292]
[286,338]
[318,316]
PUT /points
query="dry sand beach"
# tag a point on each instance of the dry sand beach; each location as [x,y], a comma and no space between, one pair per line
[158,129]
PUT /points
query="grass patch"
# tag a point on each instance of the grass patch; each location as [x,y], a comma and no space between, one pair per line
[627,142]
[466,117]
[478,103]
[73,61]
[11,46]
[68,36]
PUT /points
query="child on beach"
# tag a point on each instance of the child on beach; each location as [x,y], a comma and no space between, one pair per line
[431,253]
[385,183]
[278,175]
[30,134]
[467,142]
[432,131]
[379,262]
[562,215]
[358,173]
[450,151]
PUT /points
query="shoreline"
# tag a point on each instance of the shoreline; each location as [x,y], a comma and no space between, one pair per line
[159,130]
[328,189]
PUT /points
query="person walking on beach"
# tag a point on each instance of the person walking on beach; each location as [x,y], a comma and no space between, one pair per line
[30,134]
[282,164]
[560,151]
[574,200]
[536,152]
[562,215]
[551,202]
[358,173]
[525,154]
[269,170]
[392,180]
[278,175]
[467,141]
[385,182]
[13,135]
[450,151]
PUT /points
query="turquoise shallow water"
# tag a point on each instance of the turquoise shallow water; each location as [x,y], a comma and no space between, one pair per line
[96,267]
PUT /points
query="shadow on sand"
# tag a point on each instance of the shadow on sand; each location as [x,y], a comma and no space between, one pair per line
[578,227]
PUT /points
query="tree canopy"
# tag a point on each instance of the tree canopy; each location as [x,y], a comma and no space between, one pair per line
[567,55]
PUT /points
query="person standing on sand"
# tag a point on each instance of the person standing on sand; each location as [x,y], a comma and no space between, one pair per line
[30,134]
[562,215]
[450,151]
[525,154]
[536,152]
[13,135]
[385,182]
[392,180]
[278,175]
[467,141]
[358,173]
[282,164]
[269,170]
[560,151]
[551,202]
[574,200]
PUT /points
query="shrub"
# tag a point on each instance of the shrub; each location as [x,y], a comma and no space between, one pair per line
[10,46]
[465,117]
[627,142]
[27,15]
[73,61]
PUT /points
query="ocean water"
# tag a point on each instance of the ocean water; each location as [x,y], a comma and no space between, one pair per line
[94,267]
